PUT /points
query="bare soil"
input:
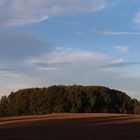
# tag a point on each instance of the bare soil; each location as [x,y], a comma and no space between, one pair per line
[71,127]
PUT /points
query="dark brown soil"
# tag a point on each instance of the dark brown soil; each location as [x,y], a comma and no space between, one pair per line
[71,127]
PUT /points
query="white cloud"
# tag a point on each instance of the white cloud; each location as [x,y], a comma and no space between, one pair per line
[136,20]
[25,20]
[110,33]
[26,62]
[66,56]
[117,61]
[66,66]
[122,49]
[8,74]
[47,68]
[19,12]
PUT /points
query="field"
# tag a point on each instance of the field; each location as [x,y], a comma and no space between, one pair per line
[71,127]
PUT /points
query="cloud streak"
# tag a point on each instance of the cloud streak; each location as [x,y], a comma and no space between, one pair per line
[121,64]
[19,12]
[67,57]
[122,49]
[25,21]
[111,33]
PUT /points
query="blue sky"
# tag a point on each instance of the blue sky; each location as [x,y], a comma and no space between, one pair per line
[47,42]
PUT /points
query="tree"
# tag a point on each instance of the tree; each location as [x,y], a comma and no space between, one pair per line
[76,99]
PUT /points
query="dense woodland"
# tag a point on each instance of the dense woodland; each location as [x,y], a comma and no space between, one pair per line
[75,99]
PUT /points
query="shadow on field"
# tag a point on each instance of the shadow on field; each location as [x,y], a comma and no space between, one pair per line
[89,128]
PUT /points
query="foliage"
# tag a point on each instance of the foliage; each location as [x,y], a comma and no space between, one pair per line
[75,99]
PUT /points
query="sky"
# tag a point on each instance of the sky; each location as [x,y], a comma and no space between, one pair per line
[83,42]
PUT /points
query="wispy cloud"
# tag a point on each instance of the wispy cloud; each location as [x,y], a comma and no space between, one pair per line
[121,64]
[25,20]
[48,68]
[20,12]
[119,60]
[136,20]
[27,62]
[67,56]
[122,49]
[111,33]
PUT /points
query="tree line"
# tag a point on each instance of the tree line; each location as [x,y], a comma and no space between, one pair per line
[73,99]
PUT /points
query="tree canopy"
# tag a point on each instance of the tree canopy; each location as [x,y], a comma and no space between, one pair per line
[75,99]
